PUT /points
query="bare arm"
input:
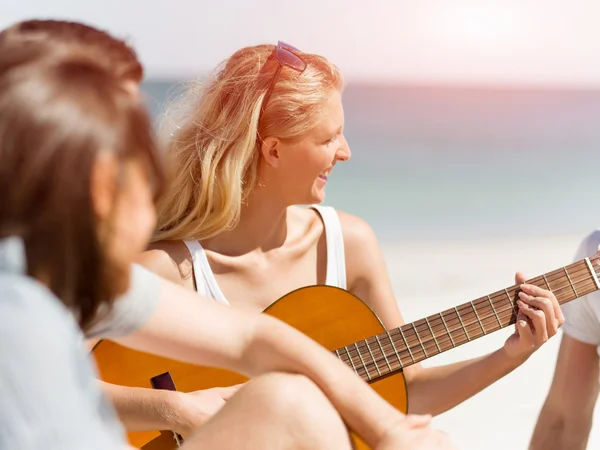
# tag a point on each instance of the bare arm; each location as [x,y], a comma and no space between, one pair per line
[566,417]
[437,389]
[144,409]
[203,332]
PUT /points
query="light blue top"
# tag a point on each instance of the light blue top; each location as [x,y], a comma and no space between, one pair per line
[49,395]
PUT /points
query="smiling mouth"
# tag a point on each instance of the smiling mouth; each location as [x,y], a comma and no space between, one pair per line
[325,174]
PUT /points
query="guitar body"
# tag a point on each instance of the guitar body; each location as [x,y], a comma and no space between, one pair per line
[331,316]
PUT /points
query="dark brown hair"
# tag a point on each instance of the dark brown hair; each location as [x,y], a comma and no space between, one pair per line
[58,110]
[114,53]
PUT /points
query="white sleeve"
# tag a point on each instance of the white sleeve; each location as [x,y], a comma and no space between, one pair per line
[131,310]
[581,320]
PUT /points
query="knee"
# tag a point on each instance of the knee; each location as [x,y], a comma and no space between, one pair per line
[298,406]
[296,397]
[298,410]
[282,390]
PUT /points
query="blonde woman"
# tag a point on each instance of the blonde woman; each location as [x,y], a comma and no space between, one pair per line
[262,136]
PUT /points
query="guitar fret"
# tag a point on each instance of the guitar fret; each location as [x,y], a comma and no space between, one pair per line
[394,347]
[494,311]
[574,274]
[372,357]
[383,353]
[449,334]
[406,343]
[362,362]
[478,319]
[419,338]
[511,303]
[548,284]
[591,269]
[350,357]
[433,335]
[462,324]
[570,282]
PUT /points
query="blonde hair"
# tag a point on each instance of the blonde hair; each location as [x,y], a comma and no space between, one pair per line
[215,129]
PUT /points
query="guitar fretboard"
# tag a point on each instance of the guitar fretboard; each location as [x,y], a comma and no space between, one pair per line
[393,350]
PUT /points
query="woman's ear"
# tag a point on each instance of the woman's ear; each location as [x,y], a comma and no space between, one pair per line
[103,184]
[270,150]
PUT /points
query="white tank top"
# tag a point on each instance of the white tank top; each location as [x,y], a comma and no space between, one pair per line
[206,283]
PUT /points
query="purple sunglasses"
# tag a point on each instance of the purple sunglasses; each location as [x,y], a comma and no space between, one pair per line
[286,57]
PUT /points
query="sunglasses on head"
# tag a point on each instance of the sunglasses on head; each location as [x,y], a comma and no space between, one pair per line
[286,56]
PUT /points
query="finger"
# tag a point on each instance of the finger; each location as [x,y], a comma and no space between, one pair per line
[523,328]
[560,317]
[520,278]
[537,291]
[538,322]
[545,305]
[541,303]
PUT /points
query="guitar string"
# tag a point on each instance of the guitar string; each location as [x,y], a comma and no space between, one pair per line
[419,346]
[470,312]
[443,337]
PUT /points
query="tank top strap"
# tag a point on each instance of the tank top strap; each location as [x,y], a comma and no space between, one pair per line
[336,259]
[206,283]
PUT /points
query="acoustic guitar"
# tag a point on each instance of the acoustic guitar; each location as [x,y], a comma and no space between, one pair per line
[345,325]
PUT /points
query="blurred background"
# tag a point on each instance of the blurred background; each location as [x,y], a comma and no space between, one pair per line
[474,132]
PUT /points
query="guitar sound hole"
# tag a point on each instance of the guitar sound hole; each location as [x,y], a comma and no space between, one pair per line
[163,381]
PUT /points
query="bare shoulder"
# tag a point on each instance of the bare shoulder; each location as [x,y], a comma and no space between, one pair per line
[366,272]
[362,253]
[168,259]
[358,234]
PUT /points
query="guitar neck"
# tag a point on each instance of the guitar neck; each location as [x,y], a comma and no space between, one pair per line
[393,350]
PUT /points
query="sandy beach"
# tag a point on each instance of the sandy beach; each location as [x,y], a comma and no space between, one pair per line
[430,276]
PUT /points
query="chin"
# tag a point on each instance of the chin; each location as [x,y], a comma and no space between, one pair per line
[317,199]
[313,196]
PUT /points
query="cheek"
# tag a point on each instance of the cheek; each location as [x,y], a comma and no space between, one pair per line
[309,162]
[143,215]
[145,218]
[136,222]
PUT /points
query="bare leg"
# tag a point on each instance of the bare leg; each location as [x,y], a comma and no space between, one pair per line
[274,411]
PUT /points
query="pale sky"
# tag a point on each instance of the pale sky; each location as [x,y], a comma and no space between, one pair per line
[554,42]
